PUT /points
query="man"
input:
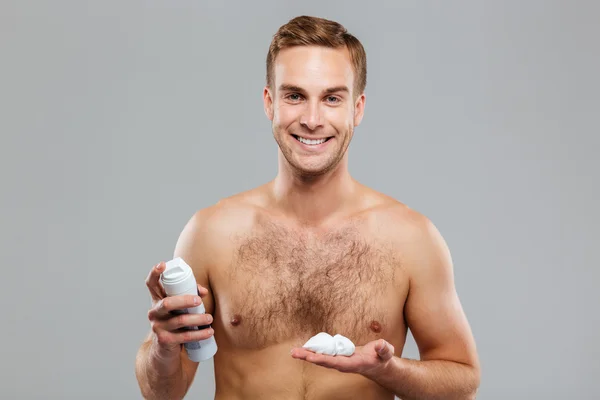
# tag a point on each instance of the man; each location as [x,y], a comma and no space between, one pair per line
[313,251]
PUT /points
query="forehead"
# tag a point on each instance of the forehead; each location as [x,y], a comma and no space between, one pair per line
[313,67]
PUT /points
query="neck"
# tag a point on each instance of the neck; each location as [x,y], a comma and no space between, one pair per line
[312,199]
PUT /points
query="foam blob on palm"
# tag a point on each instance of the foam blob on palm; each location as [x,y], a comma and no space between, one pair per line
[324,343]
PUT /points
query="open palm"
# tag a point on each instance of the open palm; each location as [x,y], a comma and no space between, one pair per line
[366,360]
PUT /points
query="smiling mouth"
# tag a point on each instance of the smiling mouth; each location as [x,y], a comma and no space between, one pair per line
[311,142]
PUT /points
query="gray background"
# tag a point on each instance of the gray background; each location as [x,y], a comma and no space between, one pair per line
[119,119]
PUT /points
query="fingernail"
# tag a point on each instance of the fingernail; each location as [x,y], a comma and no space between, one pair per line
[196,300]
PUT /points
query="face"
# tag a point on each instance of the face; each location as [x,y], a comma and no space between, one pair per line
[312,107]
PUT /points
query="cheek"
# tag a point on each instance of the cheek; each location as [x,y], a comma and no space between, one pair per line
[283,116]
[341,119]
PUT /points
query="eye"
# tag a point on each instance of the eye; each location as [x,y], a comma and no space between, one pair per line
[333,99]
[293,97]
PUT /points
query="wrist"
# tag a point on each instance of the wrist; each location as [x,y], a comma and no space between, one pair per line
[164,351]
[387,368]
[165,359]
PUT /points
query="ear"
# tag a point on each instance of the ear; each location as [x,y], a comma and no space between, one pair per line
[268,102]
[359,109]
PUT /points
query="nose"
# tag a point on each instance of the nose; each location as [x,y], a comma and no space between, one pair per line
[311,117]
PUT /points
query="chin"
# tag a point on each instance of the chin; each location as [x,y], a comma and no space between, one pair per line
[311,173]
[312,170]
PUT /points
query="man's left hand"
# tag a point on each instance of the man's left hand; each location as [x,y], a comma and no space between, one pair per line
[366,360]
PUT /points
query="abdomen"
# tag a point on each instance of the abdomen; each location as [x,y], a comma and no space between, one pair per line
[272,373]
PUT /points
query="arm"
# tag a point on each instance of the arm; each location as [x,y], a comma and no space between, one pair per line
[449,365]
[163,369]
[162,375]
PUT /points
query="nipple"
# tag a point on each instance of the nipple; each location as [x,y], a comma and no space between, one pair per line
[375,326]
[236,320]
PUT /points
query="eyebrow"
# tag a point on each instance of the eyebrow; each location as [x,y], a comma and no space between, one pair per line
[335,89]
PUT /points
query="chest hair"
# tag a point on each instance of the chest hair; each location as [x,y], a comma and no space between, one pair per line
[287,283]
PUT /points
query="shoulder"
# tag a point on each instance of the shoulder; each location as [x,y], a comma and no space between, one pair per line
[408,225]
[207,239]
[415,237]
[233,216]
[228,217]
[391,216]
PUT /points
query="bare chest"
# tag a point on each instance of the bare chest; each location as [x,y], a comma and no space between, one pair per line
[283,285]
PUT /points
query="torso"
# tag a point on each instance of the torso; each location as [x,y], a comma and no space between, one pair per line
[277,284]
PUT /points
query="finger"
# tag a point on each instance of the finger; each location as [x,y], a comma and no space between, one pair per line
[166,338]
[300,353]
[384,350]
[188,320]
[165,306]
[328,361]
[191,335]
[340,363]
[202,291]
[153,281]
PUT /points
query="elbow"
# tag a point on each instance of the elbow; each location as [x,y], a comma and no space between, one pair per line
[145,392]
[145,389]
[474,383]
[470,380]
[472,395]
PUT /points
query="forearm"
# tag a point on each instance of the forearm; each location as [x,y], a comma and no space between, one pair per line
[160,376]
[428,380]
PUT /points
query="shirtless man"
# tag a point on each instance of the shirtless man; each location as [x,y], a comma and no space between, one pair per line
[313,251]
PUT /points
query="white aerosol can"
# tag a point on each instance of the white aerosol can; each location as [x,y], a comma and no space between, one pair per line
[178,279]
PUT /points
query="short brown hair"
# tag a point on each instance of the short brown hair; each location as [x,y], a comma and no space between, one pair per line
[314,31]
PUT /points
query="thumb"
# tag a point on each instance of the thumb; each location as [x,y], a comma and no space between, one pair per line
[202,291]
[384,350]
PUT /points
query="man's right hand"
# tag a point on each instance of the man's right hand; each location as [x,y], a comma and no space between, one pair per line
[170,328]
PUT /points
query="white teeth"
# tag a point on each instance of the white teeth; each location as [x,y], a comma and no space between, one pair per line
[310,141]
